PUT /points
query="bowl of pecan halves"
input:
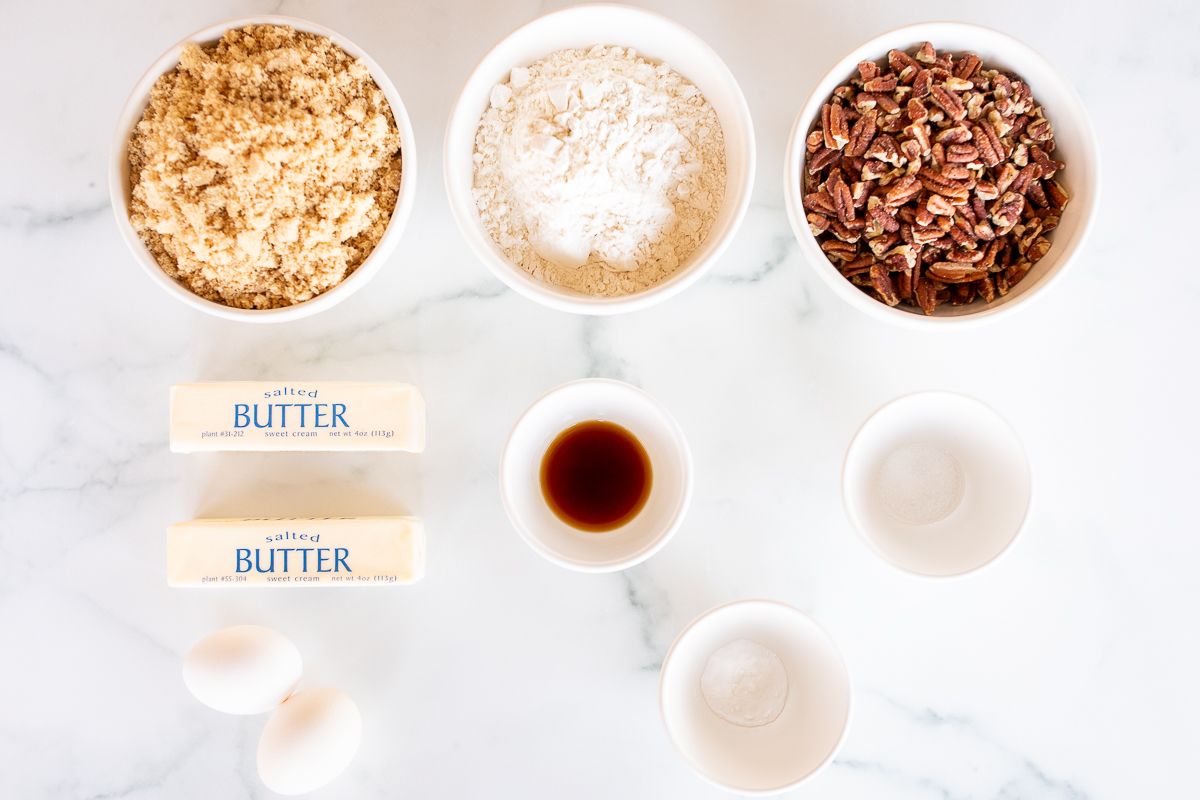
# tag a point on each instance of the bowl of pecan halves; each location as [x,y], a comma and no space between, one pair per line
[941,172]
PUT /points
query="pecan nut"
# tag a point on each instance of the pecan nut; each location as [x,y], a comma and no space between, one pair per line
[930,178]
[833,124]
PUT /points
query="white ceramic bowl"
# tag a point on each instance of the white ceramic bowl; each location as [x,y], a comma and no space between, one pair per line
[1076,146]
[652,36]
[119,189]
[671,483]
[771,758]
[994,486]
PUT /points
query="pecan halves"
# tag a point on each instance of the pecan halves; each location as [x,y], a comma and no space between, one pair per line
[822,159]
[1039,130]
[949,102]
[925,53]
[843,201]
[839,250]
[884,148]
[1028,174]
[858,265]
[833,125]
[991,149]
[1055,194]
[882,282]
[861,134]
[1037,251]
[879,221]
[935,182]
[821,202]
[962,153]
[968,65]
[931,179]
[955,134]
[954,272]
[882,83]
[902,191]
[899,60]
[1049,165]
[1006,212]
[986,289]
[936,204]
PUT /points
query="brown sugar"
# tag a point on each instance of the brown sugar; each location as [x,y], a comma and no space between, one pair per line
[265,169]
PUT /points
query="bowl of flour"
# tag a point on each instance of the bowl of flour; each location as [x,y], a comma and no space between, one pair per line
[599,159]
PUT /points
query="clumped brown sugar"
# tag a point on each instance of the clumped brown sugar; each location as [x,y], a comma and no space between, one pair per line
[265,168]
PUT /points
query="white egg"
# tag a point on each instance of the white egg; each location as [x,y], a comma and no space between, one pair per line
[246,669]
[308,741]
[745,683]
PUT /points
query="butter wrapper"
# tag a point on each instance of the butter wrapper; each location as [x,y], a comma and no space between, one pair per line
[295,415]
[333,551]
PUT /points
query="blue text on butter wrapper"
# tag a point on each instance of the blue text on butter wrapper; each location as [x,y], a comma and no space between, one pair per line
[303,415]
[287,559]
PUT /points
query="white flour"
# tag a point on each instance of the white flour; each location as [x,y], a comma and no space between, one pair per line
[598,170]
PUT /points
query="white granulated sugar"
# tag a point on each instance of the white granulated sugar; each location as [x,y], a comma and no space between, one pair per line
[598,170]
[745,684]
[919,484]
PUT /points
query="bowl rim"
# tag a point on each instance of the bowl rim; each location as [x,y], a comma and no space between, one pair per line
[660,539]
[131,112]
[795,155]
[515,278]
[860,528]
[837,651]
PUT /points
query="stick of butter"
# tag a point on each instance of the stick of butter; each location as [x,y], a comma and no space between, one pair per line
[333,551]
[328,415]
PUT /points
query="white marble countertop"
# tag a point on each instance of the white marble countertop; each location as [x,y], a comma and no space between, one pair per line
[1066,671]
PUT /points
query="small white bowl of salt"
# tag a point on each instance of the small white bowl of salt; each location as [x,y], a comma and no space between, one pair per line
[755,696]
[937,483]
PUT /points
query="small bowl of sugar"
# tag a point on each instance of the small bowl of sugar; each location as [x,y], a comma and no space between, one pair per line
[599,159]
[755,696]
[937,483]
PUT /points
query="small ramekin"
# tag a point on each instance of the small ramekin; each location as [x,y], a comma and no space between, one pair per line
[119,189]
[652,36]
[771,758]
[997,484]
[670,461]
[1076,146]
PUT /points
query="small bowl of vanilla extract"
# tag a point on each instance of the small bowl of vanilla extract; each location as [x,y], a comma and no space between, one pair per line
[596,476]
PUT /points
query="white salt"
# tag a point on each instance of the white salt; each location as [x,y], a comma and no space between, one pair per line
[919,484]
[745,684]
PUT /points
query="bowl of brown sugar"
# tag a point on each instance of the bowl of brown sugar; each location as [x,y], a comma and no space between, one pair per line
[263,169]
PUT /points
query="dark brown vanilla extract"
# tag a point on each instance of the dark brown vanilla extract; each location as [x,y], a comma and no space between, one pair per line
[596,476]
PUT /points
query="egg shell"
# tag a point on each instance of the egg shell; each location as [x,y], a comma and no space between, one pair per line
[246,669]
[309,741]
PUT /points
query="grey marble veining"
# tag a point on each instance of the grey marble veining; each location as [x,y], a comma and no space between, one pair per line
[1065,672]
